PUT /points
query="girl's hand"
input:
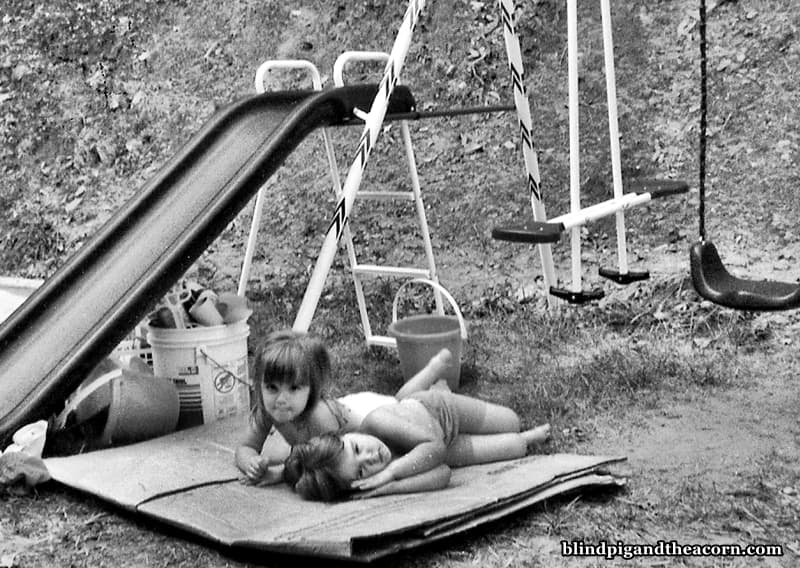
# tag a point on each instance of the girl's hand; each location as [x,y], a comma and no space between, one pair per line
[368,494]
[379,479]
[272,476]
[254,469]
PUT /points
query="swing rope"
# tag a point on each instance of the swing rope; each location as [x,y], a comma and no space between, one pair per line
[710,278]
[703,118]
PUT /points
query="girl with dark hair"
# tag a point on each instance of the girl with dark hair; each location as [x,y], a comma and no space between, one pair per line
[290,373]
[409,445]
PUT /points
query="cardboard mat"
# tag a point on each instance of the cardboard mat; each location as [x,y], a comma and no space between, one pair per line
[188,480]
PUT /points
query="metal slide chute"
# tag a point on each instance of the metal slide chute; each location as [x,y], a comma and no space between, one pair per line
[87,307]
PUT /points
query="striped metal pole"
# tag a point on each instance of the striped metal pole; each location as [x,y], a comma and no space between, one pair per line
[369,137]
[530,158]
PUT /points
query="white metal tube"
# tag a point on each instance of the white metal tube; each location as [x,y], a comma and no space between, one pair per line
[252,238]
[261,87]
[420,207]
[530,158]
[574,139]
[368,138]
[348,56]
[600,210]
[613,130]
[299,64]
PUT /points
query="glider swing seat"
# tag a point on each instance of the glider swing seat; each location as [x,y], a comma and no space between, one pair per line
[544,232]
[710,277]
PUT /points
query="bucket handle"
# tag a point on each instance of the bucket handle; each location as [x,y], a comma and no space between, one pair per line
[204,352]
[439,288]
[82,394]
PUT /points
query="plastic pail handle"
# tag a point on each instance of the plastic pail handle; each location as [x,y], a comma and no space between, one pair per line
[439,288]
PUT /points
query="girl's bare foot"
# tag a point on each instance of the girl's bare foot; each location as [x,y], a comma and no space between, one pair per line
[536,436]
[443,358]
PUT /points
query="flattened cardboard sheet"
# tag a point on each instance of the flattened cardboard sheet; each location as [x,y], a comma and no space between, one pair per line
[188,480]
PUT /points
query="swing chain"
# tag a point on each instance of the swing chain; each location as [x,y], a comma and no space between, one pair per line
[703,118]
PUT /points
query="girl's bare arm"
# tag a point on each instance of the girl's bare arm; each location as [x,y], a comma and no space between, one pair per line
[424,449]
[248,453]
[431,480]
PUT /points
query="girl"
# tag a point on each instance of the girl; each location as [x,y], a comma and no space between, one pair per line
[408,446]
[291,369]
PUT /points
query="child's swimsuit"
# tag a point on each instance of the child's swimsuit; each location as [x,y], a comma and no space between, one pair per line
[441,406]
[347,409]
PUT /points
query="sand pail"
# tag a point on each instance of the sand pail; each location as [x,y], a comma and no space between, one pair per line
[422,336]
[138,406]
[209,367]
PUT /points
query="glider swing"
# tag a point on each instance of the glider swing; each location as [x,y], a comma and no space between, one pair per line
[709,276]
[543,231]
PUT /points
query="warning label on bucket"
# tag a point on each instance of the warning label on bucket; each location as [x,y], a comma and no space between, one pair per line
[209,367]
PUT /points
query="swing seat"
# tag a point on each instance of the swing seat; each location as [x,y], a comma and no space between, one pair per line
[624,277]
[714,283]
[658,188]
[530,232]
[582,297]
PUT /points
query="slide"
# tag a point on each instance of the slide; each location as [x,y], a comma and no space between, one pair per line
[81,313]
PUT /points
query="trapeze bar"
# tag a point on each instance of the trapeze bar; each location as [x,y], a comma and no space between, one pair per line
[419,115]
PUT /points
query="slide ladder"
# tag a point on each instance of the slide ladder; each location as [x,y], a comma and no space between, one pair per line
[361,270]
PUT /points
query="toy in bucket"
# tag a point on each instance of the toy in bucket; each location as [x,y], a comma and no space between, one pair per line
[420,337]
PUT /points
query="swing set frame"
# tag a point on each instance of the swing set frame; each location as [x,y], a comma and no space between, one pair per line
[541,231]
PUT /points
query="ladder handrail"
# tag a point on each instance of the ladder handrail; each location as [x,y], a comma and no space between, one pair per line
[261,87]
[338,77]
[349,56]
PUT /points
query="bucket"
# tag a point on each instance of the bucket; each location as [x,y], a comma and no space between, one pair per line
[138,406]
[420,337]
[208,366]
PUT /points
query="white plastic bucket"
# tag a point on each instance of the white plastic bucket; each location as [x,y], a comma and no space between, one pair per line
[208,366]
[421,337]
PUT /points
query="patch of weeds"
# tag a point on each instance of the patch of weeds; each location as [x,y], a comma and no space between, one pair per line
[30,243]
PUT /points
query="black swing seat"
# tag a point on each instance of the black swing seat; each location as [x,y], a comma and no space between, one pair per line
[713,282]
[530,232]
[658,188]
[582,297]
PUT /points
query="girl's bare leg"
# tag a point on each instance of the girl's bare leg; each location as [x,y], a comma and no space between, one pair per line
[469,449]
[536,436]
[480,417]
[426,377]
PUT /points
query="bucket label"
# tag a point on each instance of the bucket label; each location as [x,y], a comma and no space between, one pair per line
[230,392]
[188,370]
[224,382]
